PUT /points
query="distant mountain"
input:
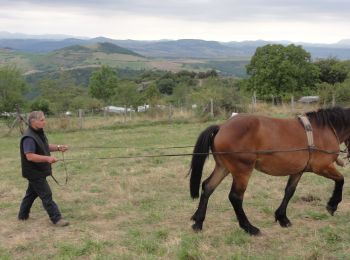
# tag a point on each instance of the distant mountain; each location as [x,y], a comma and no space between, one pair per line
[74,57]
[345,42]
[185,48]
[228,58]
[109,48]
[39,45]
[104,47]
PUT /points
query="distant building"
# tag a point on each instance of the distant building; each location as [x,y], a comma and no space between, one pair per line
[143,108]
[309,99]
[68,113]
[117,110]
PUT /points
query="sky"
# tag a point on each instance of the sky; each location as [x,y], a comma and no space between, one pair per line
[312,21]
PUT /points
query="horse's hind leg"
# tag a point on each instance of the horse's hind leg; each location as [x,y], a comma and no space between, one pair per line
[280,213]
[208,187]
[239,185]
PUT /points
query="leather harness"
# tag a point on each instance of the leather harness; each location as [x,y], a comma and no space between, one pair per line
[309,135]
[308,129]
[310,139]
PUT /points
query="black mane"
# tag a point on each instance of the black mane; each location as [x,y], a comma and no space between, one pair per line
[336,117]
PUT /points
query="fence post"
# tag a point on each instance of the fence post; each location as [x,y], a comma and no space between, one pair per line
[253,102]
[170,113]
[211,108]
[292,102]
[125,113]
[81,118]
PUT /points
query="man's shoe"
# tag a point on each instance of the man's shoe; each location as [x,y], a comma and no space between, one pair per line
[62,223]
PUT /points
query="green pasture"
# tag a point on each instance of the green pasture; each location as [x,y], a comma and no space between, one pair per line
[140,208]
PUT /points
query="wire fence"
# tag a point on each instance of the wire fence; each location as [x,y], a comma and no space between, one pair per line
[93,119]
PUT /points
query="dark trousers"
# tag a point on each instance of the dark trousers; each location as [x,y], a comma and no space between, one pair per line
[39,188]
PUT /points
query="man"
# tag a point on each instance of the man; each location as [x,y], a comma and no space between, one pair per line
[36,163]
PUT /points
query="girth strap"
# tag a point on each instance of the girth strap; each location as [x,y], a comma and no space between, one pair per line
[308,129]
[310,137]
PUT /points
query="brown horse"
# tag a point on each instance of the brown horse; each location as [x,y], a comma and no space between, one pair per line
[277,147]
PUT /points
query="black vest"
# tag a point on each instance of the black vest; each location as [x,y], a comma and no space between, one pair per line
[33,170]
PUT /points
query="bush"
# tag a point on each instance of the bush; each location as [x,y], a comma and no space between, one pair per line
[41,104]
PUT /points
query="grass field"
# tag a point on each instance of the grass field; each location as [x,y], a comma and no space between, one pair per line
[140,208]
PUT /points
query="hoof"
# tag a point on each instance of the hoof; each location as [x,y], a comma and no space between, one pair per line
[197,227]
[284,222]
[331,209]
[253,231]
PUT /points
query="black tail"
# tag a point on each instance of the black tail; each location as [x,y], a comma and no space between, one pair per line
[200,154]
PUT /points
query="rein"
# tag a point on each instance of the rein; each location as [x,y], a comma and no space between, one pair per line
[128,147]
[303,119]
[308,149]
[211,153]
[65,169]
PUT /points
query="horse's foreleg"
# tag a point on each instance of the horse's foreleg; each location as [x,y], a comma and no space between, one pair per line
[239,185]
[332,173]
[280,213]
[336,198]
[337,195]
[208,187]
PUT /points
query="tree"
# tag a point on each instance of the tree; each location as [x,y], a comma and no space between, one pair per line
[208,74]
[127,94]
[181,95]
[276,70]
[12,88]
[41,104]
[332,70]
[60,93]
[224,93]
[103,84]
[343,93]
[166,85]
[152,95]
[85,102]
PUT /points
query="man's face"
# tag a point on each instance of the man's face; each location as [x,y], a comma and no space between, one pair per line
[39,123]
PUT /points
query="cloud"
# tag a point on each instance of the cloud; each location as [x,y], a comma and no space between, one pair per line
[204,10]
[223,20]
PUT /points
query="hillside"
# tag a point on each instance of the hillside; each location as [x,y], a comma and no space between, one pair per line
[229,59]
[185,48]
[104,47]
[94,55]
[74,56]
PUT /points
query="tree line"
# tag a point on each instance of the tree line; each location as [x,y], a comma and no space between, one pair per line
[278,72]
[275,72]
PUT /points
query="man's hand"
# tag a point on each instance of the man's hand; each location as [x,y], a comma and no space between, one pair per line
[62,147]
[51,159]
[40,158]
